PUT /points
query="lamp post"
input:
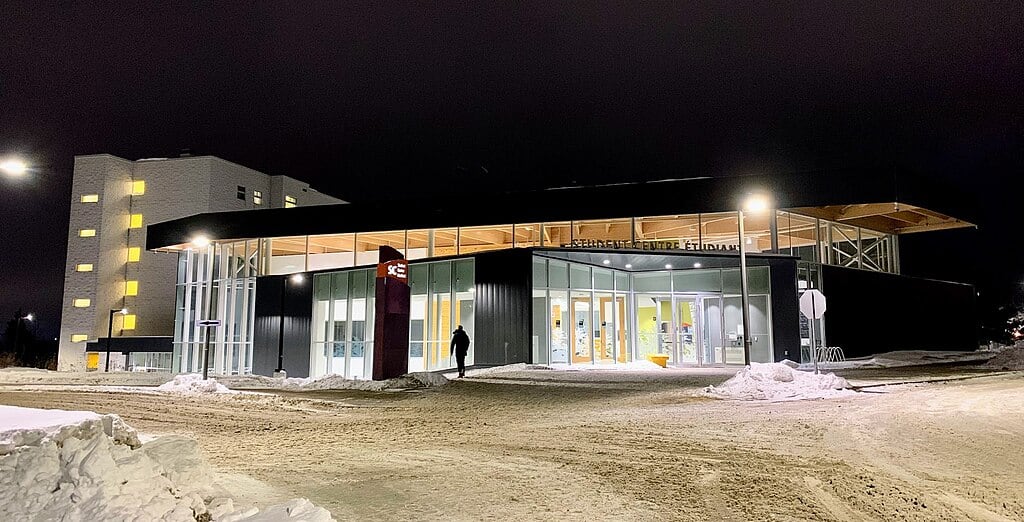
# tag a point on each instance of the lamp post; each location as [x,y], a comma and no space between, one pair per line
[753,203]
[110,333]
[296,279]
[13,167]
[17,333]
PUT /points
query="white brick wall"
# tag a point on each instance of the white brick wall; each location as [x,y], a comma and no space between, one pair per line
[175,188]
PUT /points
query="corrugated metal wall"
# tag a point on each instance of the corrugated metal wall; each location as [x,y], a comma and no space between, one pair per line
[503,307]
[298,312]
[785,310]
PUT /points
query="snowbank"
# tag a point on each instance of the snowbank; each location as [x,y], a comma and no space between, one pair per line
[1010,358]
[906,358]
[192,384]
[508,368]
[779,382]
[78,465]
[335,382]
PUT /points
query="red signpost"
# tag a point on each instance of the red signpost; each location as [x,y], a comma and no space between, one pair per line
[391,321]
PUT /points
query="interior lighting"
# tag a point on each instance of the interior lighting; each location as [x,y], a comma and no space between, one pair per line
[668,266]
[607,261]
[697,265]
[200,241]
[628,265]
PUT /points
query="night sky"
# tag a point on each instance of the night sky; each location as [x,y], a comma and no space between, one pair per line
[346,96]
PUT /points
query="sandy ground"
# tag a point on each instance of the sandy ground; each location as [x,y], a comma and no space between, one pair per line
[626,446]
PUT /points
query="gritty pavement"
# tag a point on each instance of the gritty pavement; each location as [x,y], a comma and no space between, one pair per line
[544,445]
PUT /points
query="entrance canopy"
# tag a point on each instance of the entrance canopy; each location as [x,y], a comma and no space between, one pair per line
[891,218]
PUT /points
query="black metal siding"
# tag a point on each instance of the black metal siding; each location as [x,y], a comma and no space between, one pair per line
[873,312]
[298,310]
[503,307]
[785,310]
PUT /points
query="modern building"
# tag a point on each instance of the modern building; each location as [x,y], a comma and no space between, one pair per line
[574,275]
[108,267]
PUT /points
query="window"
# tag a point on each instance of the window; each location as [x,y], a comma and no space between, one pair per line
[135,221]
[131,288]
[138,188]
[87,232]
[79,338]
[241,193]
[257,197]
[134,253]
[90,198]
[81,303]
[289,202]
[83,267]
[128,323]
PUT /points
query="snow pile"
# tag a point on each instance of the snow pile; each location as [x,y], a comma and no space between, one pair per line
[1010,358]
[779,382]
[508,368]
[335,382]
[192,384]
[64,465]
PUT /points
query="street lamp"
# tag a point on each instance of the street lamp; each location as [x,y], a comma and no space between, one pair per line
[754,203]
[13,167]
[296,279]
[17,334]
[110,333]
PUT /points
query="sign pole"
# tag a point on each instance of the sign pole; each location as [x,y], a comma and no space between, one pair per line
[814,342]
[206,354]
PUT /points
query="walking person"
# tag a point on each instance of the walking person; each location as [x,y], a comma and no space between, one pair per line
[460,347]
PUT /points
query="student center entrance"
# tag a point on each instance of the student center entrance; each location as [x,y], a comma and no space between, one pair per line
[545,287]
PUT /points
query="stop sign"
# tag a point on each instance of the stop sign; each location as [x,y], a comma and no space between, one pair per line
[812,304]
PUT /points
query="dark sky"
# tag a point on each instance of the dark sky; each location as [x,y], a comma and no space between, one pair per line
[340,94]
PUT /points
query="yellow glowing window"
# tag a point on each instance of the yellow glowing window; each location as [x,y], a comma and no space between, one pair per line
[90,198]
[87,232]
[82,303]
[134,253]
[138,188]
[131,288]
[135,221]
[128,323]
[289,201]
[83,267]
[79,338]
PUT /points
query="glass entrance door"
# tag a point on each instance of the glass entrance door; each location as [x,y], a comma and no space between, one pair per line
[582,330]
[687,324]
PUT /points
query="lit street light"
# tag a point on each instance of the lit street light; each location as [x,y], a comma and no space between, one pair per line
[110,333]
[754,203]
[13,167]
[17,335]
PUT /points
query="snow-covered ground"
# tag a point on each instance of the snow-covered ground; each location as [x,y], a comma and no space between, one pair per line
[79,465]
[906,358]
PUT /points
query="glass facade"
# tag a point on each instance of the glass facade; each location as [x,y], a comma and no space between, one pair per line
[216,282]
[581,314]
[584,314]
[343,312]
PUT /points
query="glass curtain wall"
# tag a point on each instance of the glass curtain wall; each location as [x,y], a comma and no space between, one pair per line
[594,315]
[342,343]
[217,282]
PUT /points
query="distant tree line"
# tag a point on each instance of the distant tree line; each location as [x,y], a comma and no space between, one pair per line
[22,347]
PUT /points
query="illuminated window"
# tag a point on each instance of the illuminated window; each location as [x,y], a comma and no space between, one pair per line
[257,197]
[135,221]
[90,198]
[87,232]
[82,303]
[138,188]
[83,267]
[134,253]
[289,201]
[128,323]
[79,338]
[131,288]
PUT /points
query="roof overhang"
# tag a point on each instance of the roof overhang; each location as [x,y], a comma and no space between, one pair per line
[891,218]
